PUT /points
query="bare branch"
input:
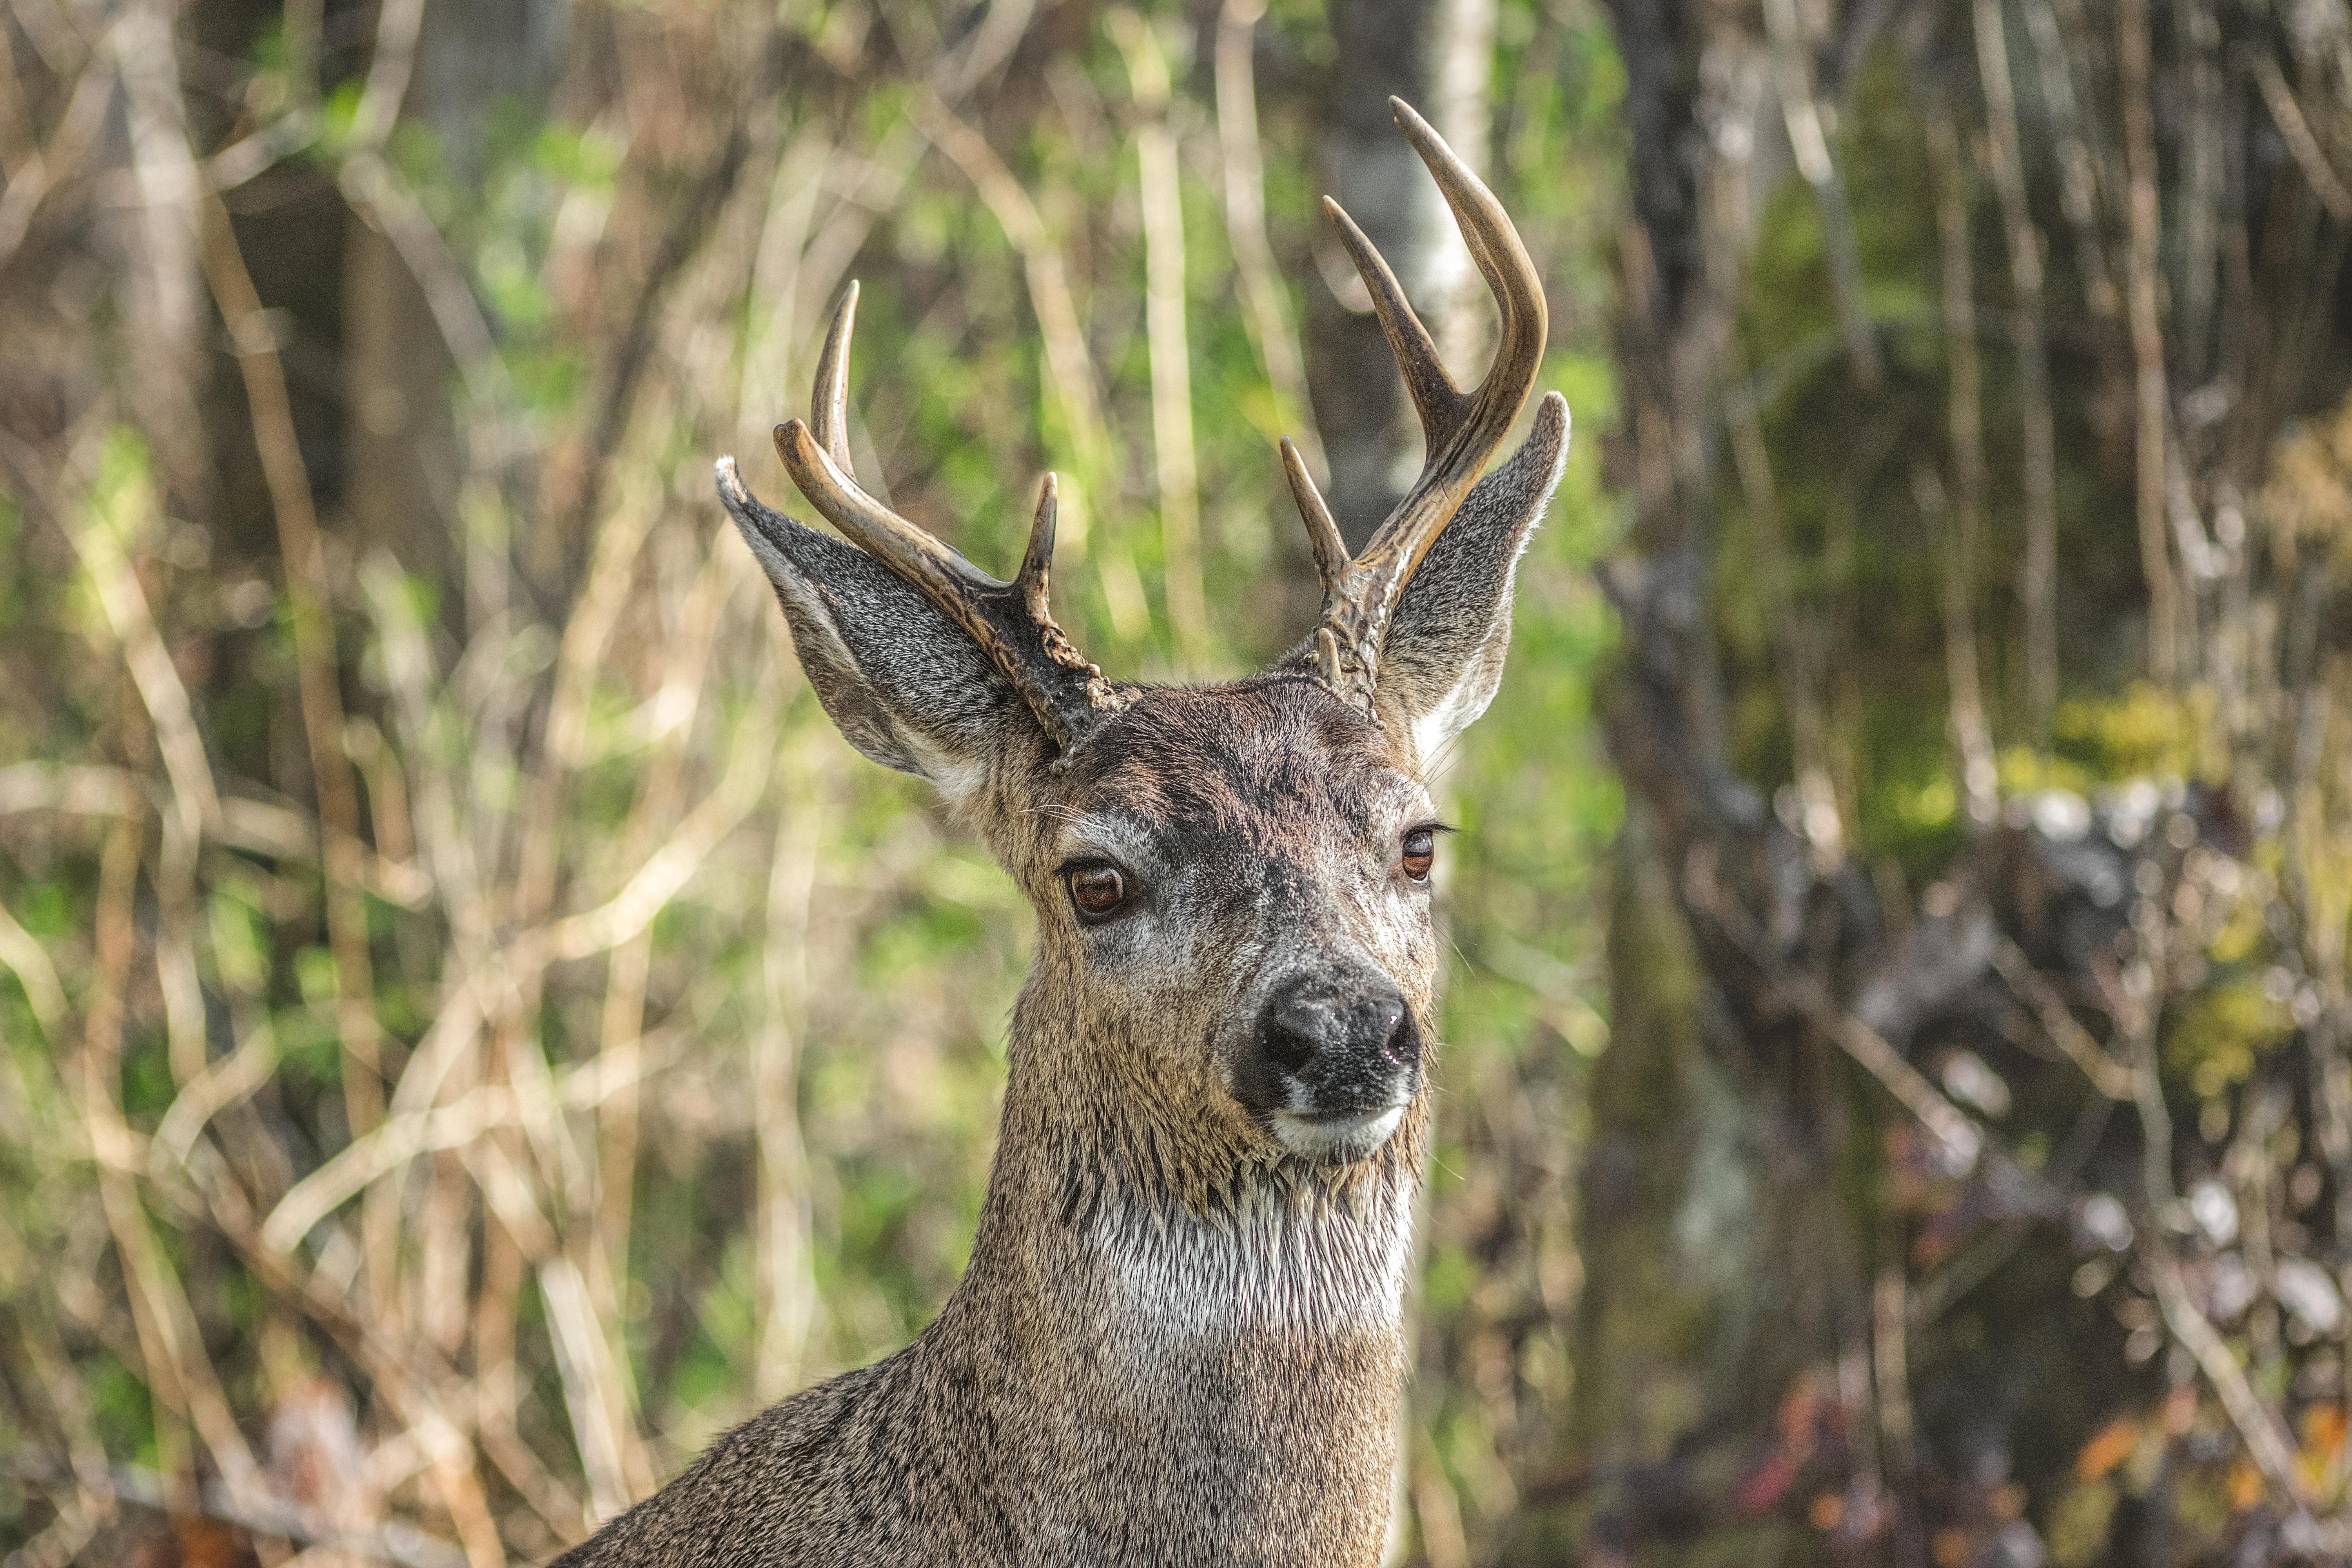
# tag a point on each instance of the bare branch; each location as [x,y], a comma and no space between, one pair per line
[2038,569]
[1265,307]
[2148,341]
[1171,375]
[2288,116]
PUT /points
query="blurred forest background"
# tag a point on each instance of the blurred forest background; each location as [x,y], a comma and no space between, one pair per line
[470,1031]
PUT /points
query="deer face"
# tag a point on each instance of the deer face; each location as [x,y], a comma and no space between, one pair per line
[1232,884]
[1238,880]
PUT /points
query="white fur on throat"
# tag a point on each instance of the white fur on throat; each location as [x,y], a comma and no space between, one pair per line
[1295,1258]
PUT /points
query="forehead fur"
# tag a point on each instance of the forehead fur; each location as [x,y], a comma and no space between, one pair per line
[1255,757]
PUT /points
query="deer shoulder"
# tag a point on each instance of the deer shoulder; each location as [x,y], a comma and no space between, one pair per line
[1178,1339]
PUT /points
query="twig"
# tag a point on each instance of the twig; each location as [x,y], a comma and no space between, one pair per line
[233,1078]
[402,1137]
[2108,1076]
[401,1374]
[95,538]
[2266,1443]
[2038,569]
[1069,367]
[376,190]
[308,597]
[785,1284]
[1164,331]
[578,660]
[1823,826]
[1265,309]
[397,31]
[2077,170]
[1801,112]
[1960,1138]
[1971,735]
[601,1250]
[2147,339]
[2201,207]
[252,156]
[61,157]
[179,1374]
[37,975]
[69,1399]
[650,889]
[2288,115]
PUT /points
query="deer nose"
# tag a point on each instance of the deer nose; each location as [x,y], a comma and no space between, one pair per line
[1342,1040]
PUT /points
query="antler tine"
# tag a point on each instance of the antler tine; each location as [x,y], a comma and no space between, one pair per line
[1331,558]
[829,406]
[874,528]
[1010,621]
[1029,585]
[1463,431]
[1440,403]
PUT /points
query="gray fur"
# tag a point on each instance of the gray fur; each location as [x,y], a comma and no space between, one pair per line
[900,680]
[1180,1340]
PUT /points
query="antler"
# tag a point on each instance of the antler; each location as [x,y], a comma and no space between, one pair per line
[1462,430]
[1009,621]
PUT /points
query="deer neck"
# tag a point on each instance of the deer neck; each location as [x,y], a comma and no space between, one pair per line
[1261,1312]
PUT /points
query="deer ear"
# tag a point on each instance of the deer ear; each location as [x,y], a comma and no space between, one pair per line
[904,684]
[1444,655]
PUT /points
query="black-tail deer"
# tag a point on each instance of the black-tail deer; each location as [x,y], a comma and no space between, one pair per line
[1180,1337]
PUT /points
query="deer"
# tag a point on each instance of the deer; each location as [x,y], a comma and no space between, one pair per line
[1180,1335]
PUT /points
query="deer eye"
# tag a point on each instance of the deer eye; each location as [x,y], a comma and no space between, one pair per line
[1097,890]
[1420,853]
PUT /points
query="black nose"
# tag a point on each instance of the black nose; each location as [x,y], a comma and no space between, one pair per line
[1338,1037]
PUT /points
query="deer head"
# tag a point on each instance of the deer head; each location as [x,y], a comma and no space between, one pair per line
[1235,959]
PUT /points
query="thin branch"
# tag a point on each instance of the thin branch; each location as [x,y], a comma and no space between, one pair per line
[179,1374]
[406,1135]
[2148,340]
[380,196]
[2296,130]
[1069,367]
[2108,1076]
[658,880]
[1823,827]
[394,59]
[250,157]
[97,539]
[60,158]
[1962,1139]
[1971,736]
[35,972]
[1265,305]
[1801,113]
[1164,331]
[2077,170]
[2038,568]
[308,597]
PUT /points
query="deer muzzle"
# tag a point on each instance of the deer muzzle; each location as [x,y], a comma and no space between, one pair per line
[1332,1063]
